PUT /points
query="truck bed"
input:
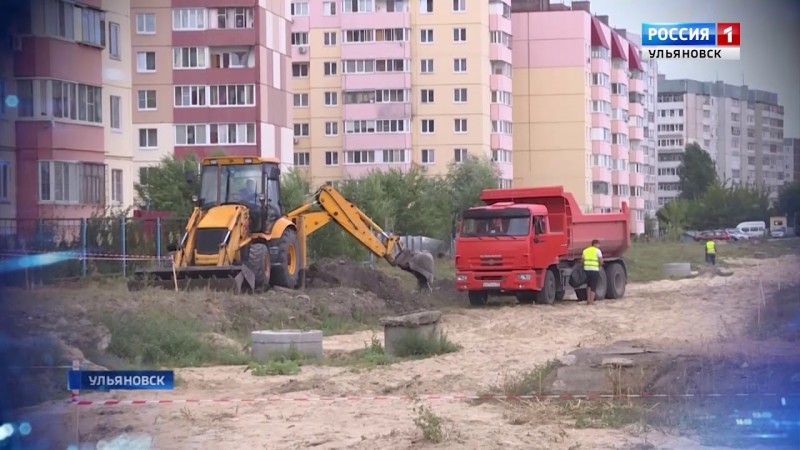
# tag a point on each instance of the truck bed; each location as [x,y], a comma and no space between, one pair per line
[611,229]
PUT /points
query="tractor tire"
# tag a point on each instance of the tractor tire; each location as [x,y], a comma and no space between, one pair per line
[287,272]
[577,278]
[478,298]
[602,285]
[547,296]
[617,280]
[258,261]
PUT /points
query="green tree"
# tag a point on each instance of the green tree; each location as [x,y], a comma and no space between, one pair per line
[789,200]
[165,188]
[465,182]
[295,189]
[697,172]
[673,217]
[724,207]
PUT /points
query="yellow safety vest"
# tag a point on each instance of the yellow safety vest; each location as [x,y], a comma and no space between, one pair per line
[710,247]
[590,259]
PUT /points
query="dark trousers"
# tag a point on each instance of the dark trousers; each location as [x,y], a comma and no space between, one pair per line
[711,258]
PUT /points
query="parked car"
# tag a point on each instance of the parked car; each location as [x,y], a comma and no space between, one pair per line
[777,232]
[717,235]
[737,235]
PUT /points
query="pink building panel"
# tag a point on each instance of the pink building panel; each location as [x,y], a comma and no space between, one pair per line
[274,108]
[385,80]
[619,76]
[635,133]
[619,101]
[618,200]
[499,52]
[322,21]
[247,75]
[636,109]
[503,141]
[210,3]
[364,141]
[600,65]
[637,202]
[371,111]
[501,112]
[302,24]
[636,179]
[499,23]
[601,174]
[70,141]
[619,152]
[553,25]
[601,148]
[362,170]
[636,85]
[601,120]
[241,114]
[506,170]
[552,53]
[500,83]
[619,126]
[300,57]
[54,58]
[202,151]
[601,93]
[601,201]
[375,20]
[215,37]
[619,176]
[380,50]
[636,156]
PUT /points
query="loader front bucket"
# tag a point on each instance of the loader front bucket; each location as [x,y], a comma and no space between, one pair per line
[420,264]
[218,278]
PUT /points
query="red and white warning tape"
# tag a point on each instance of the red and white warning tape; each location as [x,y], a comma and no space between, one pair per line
[447,397]
[80,255]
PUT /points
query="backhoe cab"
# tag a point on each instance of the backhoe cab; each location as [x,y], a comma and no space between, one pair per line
[239,234]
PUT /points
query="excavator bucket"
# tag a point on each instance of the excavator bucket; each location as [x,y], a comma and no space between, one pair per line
[420,264]
[218,278]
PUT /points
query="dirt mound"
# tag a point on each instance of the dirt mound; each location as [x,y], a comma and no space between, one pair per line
[330,273]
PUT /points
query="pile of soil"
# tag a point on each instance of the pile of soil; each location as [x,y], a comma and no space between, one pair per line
[332,273]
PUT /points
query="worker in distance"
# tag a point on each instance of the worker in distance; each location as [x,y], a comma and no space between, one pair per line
[592,262]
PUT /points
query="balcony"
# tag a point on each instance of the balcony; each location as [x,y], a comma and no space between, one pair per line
[601,174]
[600,120]
[635,133]
[636,156]
[376,80]
[600,65]
[601,93]
[385,50]
[497,22]
[601,148]
[501,140]
[636,85]
[501,112]
[215,37]
[601,200]
[374,111]
[372,141]
[636,179]
[383,14]
[636,202]
[499,52]
[619,101]
[500,83]
[619,76]
[619,126]
[619,177]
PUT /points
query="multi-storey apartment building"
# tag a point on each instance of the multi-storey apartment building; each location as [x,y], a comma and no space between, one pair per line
[579,107]
[381,84]
[210,77]
[65,151]
[791,155]
[740,128]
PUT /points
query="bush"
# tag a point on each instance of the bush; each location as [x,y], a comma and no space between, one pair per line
[418,345]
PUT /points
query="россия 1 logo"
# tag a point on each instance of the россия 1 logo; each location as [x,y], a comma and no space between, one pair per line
[713,40]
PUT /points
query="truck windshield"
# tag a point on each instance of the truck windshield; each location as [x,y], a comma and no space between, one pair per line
[496,226]
[230,184]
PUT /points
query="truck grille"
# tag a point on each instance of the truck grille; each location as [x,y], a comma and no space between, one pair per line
[207,240]
[491,261]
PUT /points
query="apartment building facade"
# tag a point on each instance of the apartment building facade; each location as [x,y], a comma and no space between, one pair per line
[65,83]
[791,155]
[210,77]
[579,107]
[381,84]
[740,128]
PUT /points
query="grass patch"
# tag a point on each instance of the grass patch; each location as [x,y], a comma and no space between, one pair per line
[419,345]
[524,383]
[283,363]
[429,424]
[155,339]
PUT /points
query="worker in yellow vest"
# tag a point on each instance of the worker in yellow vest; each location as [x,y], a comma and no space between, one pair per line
[711,252]
[592,262]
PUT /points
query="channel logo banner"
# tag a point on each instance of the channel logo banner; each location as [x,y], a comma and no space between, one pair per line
[106,380]
[684,40]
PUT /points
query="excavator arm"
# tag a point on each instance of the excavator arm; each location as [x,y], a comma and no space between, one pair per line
[328,205]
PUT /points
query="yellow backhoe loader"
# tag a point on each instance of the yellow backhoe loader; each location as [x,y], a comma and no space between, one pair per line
[239,235]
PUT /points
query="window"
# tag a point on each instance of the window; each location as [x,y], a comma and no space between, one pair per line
[459,5]
[426,66]
[232,95]
[299,70]
[302,159]
[501,97]
[234,18]
[359,157]
[189,58]
[600,79]
[60,20]
[147,100]
[331,128]
[113,41]
[358,6]
[500,37]
[191,135]
[459,65]
[600,134]
[232,133]
[428,126]
[392,96]
[459,35]
[146,62]
[329,38]
[330,68]
[331,158]
[425,6]
[299,8]
[501,68]
[299,38]
[619,88]
[356,36]
[75,101]
[358,66]
[459,155]
[428,156]
[394,156]
[329,8]
[148,138]
[114,112]
[116,186]
[460,95]
[188,19]
[190,96]
[426,96]
[426,36]
[145,23]
[300,100]
[67,182]
[502,127]
[377,126]
[331,98]
[459,125]
[230,59]
[500,155]
[5,180]
[301,130]
[392,34]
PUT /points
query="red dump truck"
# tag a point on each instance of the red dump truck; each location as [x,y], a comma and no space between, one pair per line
[527,242]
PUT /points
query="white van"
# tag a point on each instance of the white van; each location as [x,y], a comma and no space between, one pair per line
[754,229]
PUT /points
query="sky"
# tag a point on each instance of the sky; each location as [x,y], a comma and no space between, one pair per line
[770,48]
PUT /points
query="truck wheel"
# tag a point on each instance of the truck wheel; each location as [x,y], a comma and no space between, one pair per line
[478,298]
[526,297]
[577,278]
[287,274]
[258,261]
[547,296]
[560,295]
[617,280]
[582,294]
[602,285]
